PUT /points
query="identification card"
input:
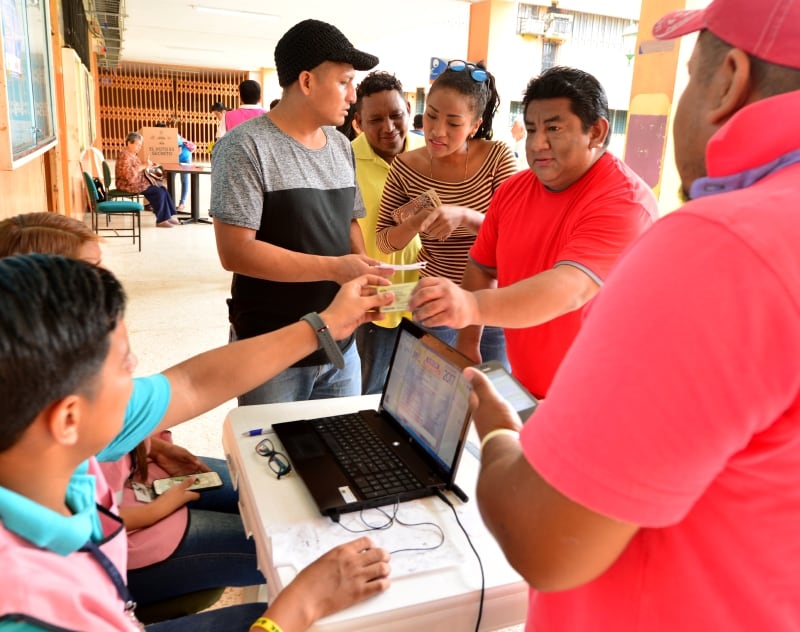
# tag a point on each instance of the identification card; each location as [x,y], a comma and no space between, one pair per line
[402,294]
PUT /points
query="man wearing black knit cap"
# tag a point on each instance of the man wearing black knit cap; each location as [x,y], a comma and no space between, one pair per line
[285,202]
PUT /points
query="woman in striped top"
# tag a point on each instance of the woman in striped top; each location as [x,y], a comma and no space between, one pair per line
[464,166]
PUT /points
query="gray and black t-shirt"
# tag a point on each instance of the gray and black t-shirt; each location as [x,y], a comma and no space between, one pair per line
[294,197]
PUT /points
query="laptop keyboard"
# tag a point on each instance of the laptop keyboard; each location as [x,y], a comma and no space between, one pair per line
[373,467]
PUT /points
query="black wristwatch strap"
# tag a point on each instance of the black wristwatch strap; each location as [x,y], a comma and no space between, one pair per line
[326,341]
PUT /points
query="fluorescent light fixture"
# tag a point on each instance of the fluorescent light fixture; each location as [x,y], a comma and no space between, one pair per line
[234,12]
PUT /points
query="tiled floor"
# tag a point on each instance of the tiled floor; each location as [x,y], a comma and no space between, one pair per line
[176,308]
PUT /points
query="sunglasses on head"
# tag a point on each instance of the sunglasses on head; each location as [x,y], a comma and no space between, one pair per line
[478,74]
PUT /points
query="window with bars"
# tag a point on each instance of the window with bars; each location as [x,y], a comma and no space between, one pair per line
[617,121]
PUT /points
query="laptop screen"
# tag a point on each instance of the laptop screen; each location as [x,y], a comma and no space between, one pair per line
[427,394]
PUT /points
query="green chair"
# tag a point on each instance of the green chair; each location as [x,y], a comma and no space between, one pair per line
[116,193]
[109,208]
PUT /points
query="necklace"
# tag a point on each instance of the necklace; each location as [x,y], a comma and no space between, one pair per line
[466,164]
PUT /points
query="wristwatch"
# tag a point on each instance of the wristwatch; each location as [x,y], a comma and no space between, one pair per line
[326,341]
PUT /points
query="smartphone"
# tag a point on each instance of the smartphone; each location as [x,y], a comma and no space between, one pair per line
[205,480]
[510,389]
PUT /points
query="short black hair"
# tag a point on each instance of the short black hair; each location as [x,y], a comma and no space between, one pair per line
[56,317]
[250,92]
[374,82]
[588,100]
[418,121]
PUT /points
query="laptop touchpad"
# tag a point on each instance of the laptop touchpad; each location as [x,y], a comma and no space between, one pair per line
[306,445]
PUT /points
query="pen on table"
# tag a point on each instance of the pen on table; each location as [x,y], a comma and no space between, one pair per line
[255,432]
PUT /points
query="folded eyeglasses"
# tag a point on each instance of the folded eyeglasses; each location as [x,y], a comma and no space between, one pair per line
[278,462]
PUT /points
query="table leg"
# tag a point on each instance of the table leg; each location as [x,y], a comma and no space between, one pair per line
[195,203]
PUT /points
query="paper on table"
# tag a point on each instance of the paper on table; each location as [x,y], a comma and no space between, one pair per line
[296,546]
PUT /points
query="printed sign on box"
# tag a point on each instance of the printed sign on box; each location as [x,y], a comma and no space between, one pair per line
[160,144]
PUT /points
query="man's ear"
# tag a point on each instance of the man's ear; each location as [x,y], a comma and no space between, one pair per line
[304,80]
[63,419]
[735,86]
[598,133]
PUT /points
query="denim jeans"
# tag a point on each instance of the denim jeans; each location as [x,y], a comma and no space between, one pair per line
[375,346]
[493,342]
[214,551]
[231,619]
[308,382]
[184,186]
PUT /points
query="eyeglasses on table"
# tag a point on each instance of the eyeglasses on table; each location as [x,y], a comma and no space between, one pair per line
[278,462]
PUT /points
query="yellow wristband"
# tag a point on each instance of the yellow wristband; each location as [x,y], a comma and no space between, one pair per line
[266,624]
[496,433]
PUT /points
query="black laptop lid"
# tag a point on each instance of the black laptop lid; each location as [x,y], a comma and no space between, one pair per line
[427,396]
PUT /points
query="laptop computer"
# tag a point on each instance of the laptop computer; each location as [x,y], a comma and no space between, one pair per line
[420,427]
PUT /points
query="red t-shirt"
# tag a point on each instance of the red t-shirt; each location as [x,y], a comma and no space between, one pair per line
[678,409]
[529,229]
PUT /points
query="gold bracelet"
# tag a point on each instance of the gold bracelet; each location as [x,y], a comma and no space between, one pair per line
[266,624]
[497,432]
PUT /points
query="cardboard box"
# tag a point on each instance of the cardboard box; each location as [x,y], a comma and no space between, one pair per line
[160,144]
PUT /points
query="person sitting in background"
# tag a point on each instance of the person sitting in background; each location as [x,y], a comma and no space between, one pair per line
[418,125]
[166,558]
[129,174]
[66,382]
[250,95]
[186,148]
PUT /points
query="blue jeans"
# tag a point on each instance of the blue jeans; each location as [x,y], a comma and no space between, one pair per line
[375,346]
[184,186]
[493,342]
[233,619]
[214,551]
[308,382]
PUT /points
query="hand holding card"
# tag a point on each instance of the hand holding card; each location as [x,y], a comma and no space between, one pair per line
[427,199]
[402,294]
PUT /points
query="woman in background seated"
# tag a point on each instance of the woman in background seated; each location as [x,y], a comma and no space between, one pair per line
[130,177]
[185,158]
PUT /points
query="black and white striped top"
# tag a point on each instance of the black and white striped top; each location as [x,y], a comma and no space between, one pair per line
[446,258]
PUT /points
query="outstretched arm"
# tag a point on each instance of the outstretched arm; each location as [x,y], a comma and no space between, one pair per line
[552,541]
[211,378]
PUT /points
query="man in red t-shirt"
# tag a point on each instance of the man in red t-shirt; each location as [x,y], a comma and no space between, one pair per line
[655,489]
[550,236]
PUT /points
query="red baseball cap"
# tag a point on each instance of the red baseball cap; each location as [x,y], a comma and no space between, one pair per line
[767,29]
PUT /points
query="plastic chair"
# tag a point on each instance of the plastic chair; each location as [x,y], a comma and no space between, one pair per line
[109,208]
[116,193]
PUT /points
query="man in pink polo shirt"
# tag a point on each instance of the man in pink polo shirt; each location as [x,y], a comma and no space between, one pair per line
[250,95]
[655,489]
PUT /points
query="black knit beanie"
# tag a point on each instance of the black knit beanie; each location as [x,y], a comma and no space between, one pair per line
[309,43]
